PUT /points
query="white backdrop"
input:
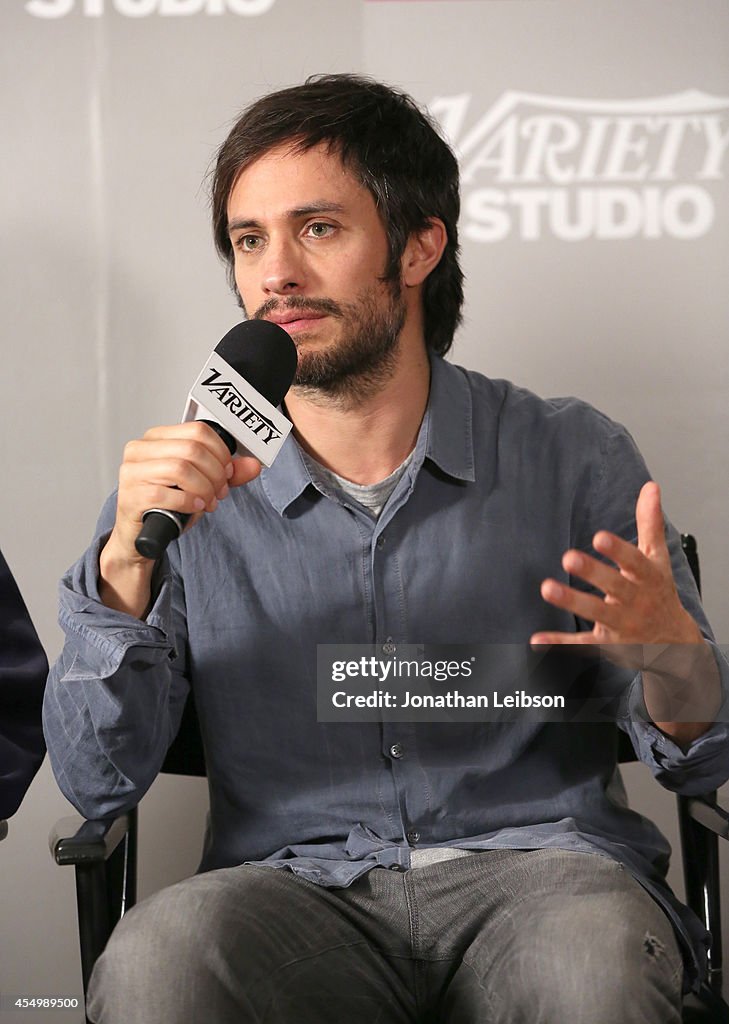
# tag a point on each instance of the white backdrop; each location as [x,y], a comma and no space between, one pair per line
[594,141]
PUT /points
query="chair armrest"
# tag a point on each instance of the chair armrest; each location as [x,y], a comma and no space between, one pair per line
[710,815]
[77,841]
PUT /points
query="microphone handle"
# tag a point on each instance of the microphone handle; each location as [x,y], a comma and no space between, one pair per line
[159,525]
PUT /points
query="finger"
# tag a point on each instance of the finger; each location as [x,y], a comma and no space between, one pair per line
[599,575]
[172,472]
[649,520]
[194,430]
[560,639]
[590,645]
[585,606]
[170,498]
[633,563]
[245,469]
[180,451]
[148,484]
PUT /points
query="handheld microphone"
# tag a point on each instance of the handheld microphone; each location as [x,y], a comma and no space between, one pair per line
[236,394]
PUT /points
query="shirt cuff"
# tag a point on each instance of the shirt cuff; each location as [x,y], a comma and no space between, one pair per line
[103,637]
[703,765]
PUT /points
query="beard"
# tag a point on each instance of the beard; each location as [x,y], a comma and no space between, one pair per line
[365,354]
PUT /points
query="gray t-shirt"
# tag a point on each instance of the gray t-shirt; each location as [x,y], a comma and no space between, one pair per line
[372,496]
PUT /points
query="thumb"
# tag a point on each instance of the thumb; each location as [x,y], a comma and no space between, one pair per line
[649,521]
[245,469]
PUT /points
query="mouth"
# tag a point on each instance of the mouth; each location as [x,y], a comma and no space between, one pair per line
[297,321]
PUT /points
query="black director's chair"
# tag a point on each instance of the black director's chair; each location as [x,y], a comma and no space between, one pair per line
[104,853]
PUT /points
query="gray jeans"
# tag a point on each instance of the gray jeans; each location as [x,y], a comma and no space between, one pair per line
[503,937]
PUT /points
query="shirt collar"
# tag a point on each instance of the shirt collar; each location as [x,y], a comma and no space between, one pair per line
[287,478]
[448,420]
[446,434]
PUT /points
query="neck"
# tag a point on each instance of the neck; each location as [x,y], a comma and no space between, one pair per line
[365,438]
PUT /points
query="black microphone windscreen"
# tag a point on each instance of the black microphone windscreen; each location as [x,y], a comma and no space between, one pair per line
[263,354]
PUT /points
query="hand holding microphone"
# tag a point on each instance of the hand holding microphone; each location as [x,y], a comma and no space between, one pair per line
[241,384]
[180,471]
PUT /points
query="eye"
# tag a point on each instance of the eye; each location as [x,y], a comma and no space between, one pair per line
[249,243]
[320,230]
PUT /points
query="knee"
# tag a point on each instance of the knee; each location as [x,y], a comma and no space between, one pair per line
[611,976]
[196,950]
[159,928]
[153,961]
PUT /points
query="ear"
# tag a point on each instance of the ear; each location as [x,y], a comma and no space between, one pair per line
[423,252]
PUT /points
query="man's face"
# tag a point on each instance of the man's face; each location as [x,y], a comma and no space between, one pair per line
[310,254]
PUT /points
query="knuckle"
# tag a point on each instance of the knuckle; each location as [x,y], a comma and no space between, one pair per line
[188,450]
[182,471]
[155,497]
[193,450]
[198,430]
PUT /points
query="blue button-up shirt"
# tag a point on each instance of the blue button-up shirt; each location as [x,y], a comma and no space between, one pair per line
[500,485]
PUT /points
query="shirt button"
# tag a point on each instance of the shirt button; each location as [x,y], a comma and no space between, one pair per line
[396,750]
[413,837]
[381,542]
[389,647]
[395,867]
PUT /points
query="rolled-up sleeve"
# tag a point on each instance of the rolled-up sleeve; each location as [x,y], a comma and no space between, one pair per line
[115,696]
[704,764]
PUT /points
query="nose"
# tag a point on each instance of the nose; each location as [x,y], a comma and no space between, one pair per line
[282,268]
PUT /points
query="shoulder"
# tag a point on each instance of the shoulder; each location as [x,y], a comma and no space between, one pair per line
[562,448]
[517,410]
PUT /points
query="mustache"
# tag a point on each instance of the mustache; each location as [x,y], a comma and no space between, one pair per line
[326,307]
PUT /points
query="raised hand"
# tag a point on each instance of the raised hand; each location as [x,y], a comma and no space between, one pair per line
[640,604]
[640,622]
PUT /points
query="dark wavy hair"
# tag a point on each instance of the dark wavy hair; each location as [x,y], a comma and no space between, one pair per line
[394,149]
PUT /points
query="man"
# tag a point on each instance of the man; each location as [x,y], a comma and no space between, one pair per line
[415,503]
[23,670]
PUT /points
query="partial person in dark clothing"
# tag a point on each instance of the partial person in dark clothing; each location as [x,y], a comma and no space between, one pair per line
[23,671]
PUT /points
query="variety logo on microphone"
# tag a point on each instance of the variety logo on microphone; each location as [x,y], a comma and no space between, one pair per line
[230,397]
[221,394]
[145,8]
[537,166]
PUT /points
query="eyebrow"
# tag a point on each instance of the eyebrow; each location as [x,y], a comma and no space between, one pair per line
[318,206]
